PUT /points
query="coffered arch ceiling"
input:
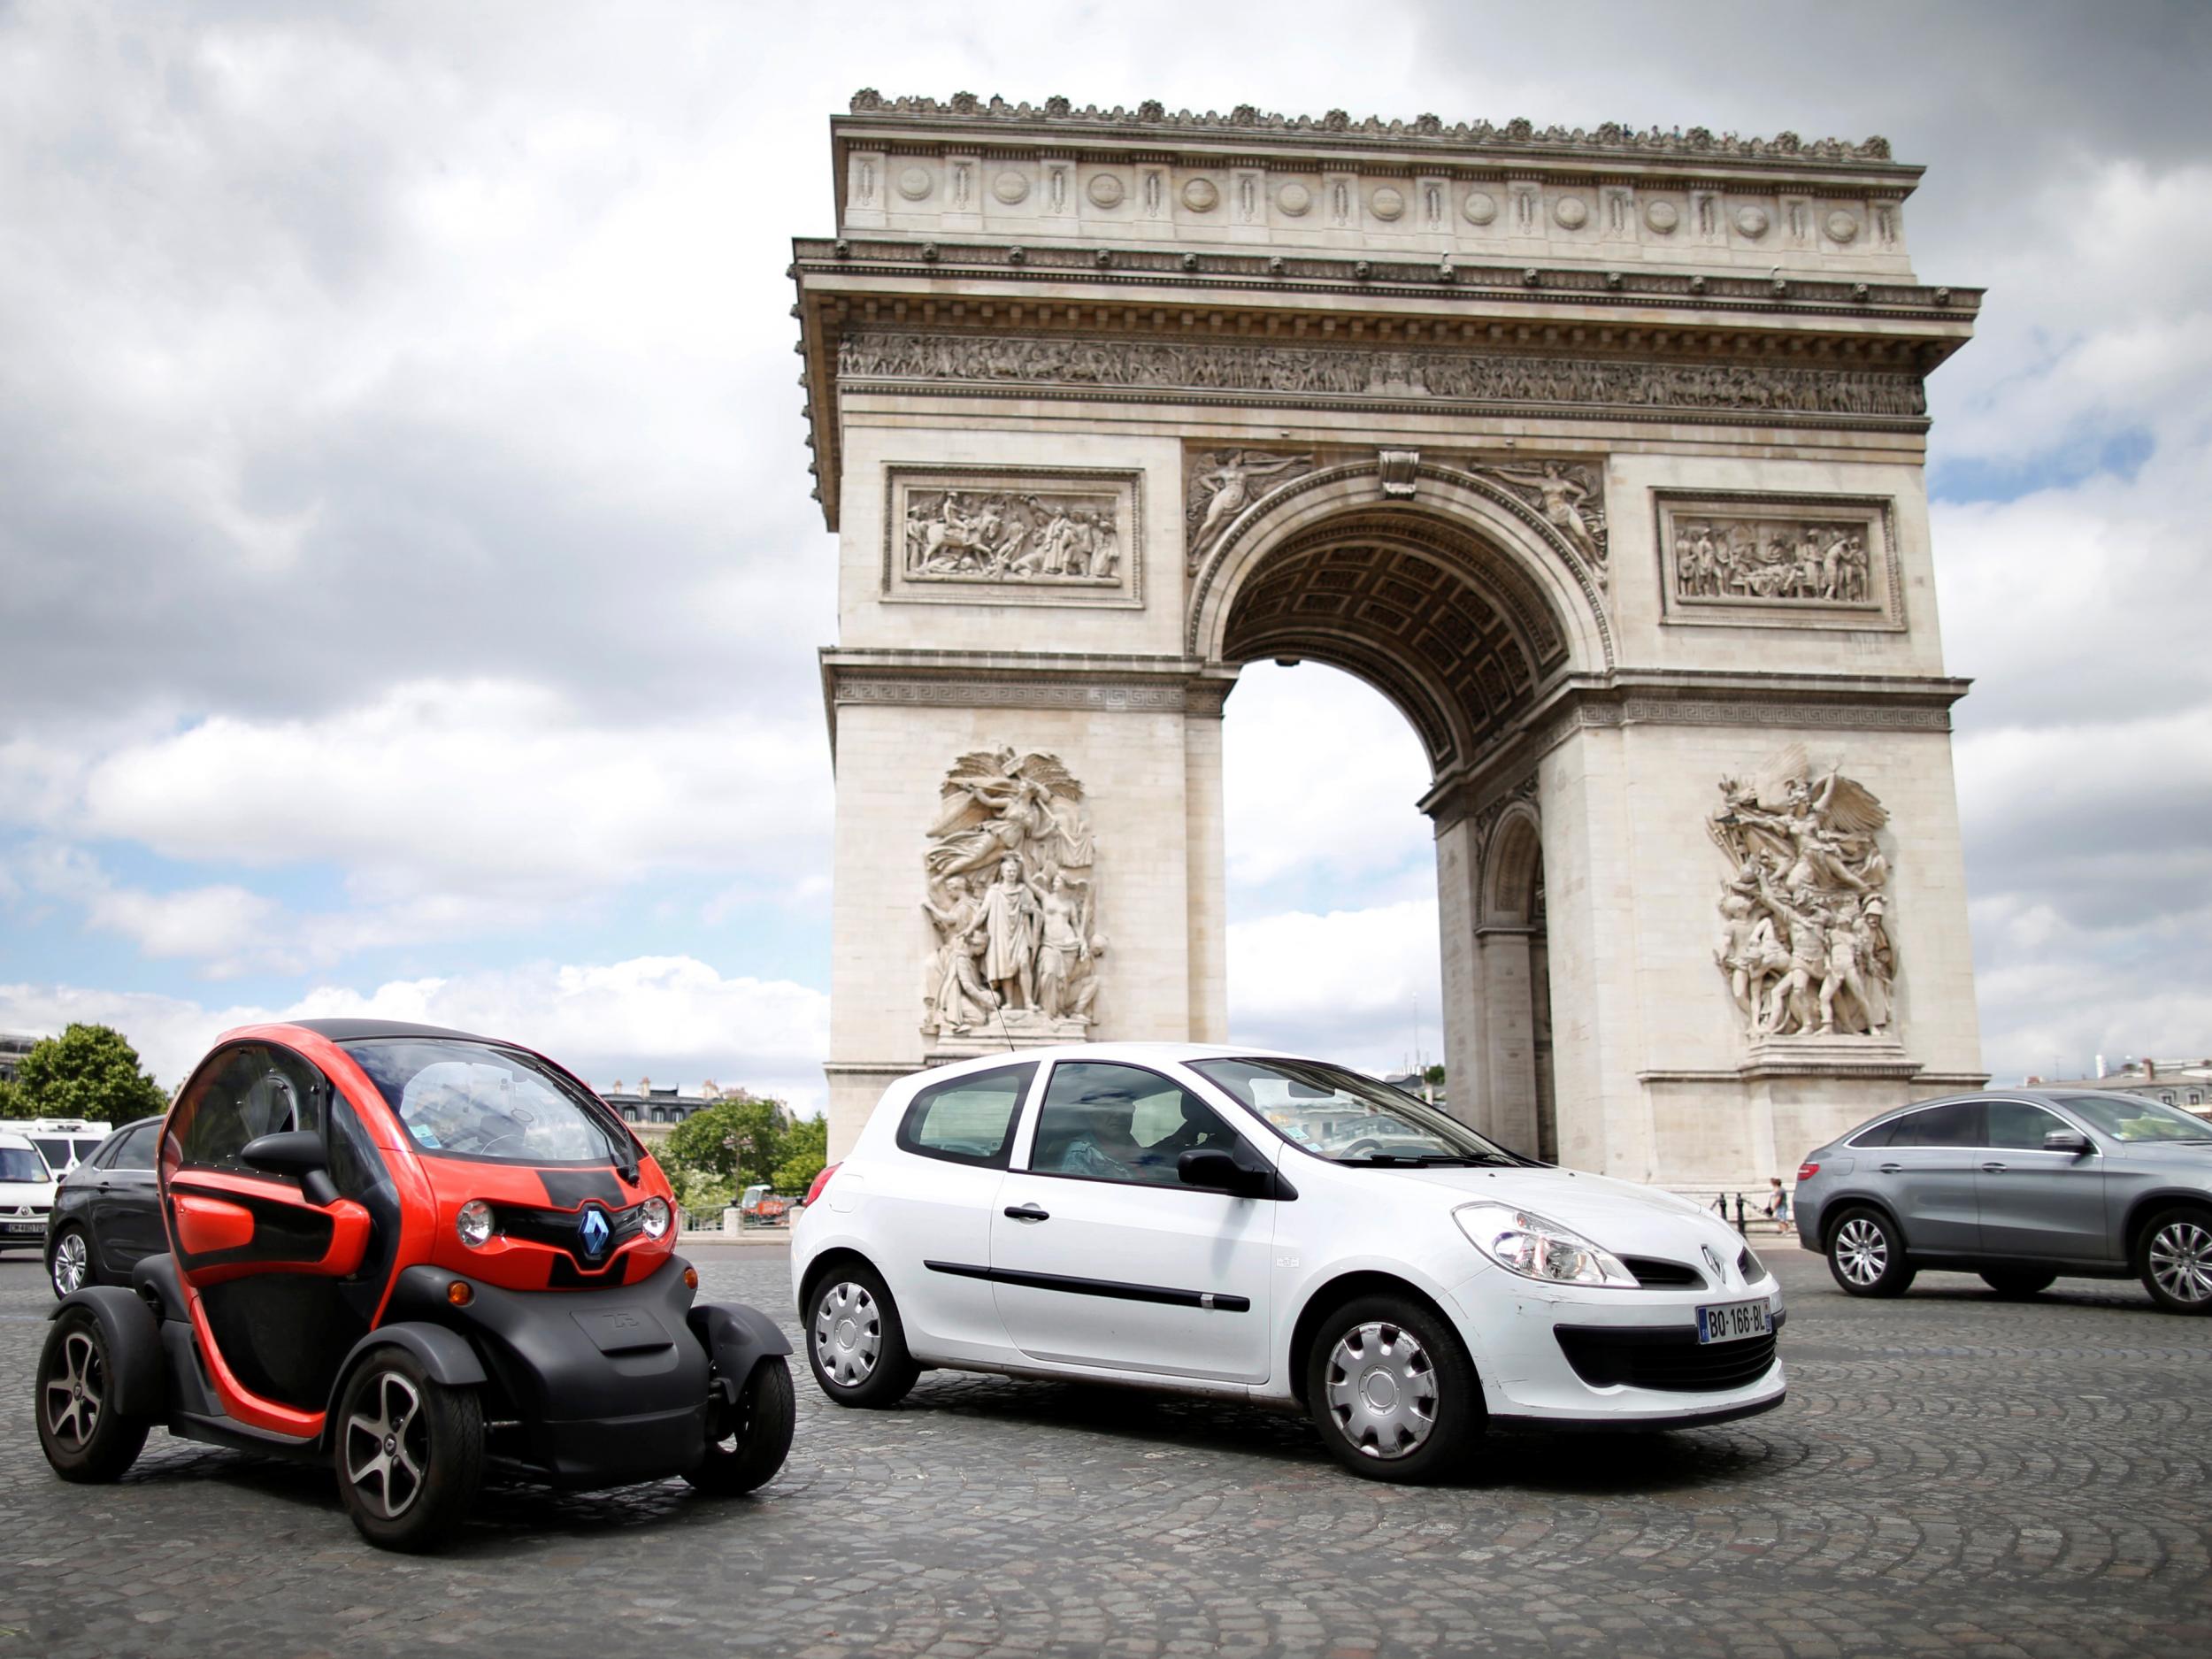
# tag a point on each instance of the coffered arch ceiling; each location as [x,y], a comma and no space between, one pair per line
[1443,624]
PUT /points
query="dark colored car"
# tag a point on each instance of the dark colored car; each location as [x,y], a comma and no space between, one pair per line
[2021,1187]
[422,1258]
[107,1212]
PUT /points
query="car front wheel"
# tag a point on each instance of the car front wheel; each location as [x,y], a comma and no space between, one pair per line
[1867,1255]
[71,1268]
[2174,1261]
[1391,1390]
[83,1435]
[748,1440]
[855,1341]
[410,1453]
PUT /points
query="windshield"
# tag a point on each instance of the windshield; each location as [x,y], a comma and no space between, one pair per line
[21,1163]
[1346,1118]
[469,1100]
[2131,1118]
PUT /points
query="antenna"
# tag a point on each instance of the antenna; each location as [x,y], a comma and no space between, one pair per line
[999,1014]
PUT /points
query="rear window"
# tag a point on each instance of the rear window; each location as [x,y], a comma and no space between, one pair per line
[471,1100]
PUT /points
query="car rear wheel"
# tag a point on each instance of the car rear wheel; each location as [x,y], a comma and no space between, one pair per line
[84,1437]
[748,1440]
[1391,1390]
[855,1341]
[2174,1260]
[71,1268]
[410,1453]
[2019,1281]
[1866,1254]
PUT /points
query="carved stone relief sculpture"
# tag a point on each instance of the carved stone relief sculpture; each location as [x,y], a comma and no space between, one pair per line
[1011,898]
[1571,498]
[1220,484]
[1012,534]
[1804,943]
[1777,561]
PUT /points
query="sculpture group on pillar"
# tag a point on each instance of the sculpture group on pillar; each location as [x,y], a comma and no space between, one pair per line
[1013,902]
[1804,942]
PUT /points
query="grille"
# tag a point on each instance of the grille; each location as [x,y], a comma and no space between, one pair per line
[1656,1275]
[1671,1359]
[557,1227]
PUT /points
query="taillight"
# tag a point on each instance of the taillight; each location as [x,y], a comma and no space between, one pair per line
[820,1181]
[1806,1172]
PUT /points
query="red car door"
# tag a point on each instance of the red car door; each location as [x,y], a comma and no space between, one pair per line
[260,1252]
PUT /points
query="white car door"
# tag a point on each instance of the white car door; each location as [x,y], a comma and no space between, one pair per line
[1102,1256]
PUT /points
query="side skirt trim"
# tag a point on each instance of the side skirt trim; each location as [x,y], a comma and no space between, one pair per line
[1214,1301]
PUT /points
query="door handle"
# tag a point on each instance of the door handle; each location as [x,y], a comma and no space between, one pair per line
[1027,1212]
[1891,1169]
[1992,1168]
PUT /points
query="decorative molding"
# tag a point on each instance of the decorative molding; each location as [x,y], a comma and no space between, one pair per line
[1739,558]
[1014,694]
[1584,388]
[1514,136]
[1399,470]
[1906,710]
[1013,535]
[1219,484]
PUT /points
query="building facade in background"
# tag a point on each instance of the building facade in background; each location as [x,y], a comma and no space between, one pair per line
[1598,453]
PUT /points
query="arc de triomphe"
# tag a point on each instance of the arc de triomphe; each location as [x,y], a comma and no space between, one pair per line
[1598,453]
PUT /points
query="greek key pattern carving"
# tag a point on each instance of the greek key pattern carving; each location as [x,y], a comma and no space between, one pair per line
[1741,391]
[981,694]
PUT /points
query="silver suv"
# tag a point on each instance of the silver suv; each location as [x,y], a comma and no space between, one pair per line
[2019,1187]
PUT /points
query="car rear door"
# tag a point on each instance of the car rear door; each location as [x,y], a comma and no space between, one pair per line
[1100,1256]
[125,1202]
[1927,1174]
[2049,1205]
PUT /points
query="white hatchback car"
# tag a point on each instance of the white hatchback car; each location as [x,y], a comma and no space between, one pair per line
[1254,1226]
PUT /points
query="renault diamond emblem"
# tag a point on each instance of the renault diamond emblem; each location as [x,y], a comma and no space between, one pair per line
[593,1230]
[1713,1262]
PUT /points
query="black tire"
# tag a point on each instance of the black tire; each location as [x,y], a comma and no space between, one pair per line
[72,1244]
[855,1342]
[1412,1410]
[1866,1255]
[408,1451]
[747,1442]
[2018,1281]
[2173,1258]
[85,1438]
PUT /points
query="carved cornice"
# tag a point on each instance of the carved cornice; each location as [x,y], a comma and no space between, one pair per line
[1103,683]
[1810,701]
[1248,124]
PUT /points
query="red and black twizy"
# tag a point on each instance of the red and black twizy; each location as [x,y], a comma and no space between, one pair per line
[420,1255]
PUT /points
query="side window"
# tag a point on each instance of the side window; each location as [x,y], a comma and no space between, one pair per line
[1880,1135]
[2013,1123]
[1120,1123]
[1957,1124]
[355,1166]
[253,1090]
[135,1149]
[967,1119]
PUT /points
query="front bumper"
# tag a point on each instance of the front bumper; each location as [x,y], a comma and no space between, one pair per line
[1629,1359]
[589,1387]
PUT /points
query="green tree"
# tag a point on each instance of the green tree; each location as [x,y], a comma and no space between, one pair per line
[805,1151]
[697,1191]
[739,1140]
[1435,1074]
[88,1072]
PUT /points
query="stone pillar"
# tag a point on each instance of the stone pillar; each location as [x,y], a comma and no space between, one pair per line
[1466,1034]
[1207,857]
[1509,1020]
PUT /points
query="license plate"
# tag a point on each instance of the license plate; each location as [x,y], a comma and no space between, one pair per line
[1733,1321]
[15,1228]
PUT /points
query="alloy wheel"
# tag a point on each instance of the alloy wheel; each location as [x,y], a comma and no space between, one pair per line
[71,1263]
[2181,1261]
[1861,1252]
[386,1453]
[1382,1388]
[848,1333]
[76,1396]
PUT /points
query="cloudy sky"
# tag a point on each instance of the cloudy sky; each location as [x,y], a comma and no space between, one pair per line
[408,588]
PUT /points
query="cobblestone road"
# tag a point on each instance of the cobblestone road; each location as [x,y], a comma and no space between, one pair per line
[1951,1471]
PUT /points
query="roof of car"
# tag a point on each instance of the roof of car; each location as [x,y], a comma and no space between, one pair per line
[355,1030]
[1156,1052]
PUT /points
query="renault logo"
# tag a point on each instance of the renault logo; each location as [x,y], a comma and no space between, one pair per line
[593,1230]
[1712,1261]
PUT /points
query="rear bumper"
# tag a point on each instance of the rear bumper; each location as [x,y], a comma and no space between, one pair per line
[588,1387]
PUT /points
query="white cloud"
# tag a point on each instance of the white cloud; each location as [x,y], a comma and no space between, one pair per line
[672,1018]
[1357,986]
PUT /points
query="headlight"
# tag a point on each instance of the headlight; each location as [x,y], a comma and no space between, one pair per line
[475,1224]
[653,1217]
[1537,1249]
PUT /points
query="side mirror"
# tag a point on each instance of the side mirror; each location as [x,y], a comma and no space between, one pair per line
[297,1153]
[1216,1167]
[2067,1141]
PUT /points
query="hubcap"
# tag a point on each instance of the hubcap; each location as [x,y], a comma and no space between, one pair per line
[385,1454]
[1861,1252]
[75,1395]
[2181,1262]
[1381,1390]
[70,1263]
[848,1335]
